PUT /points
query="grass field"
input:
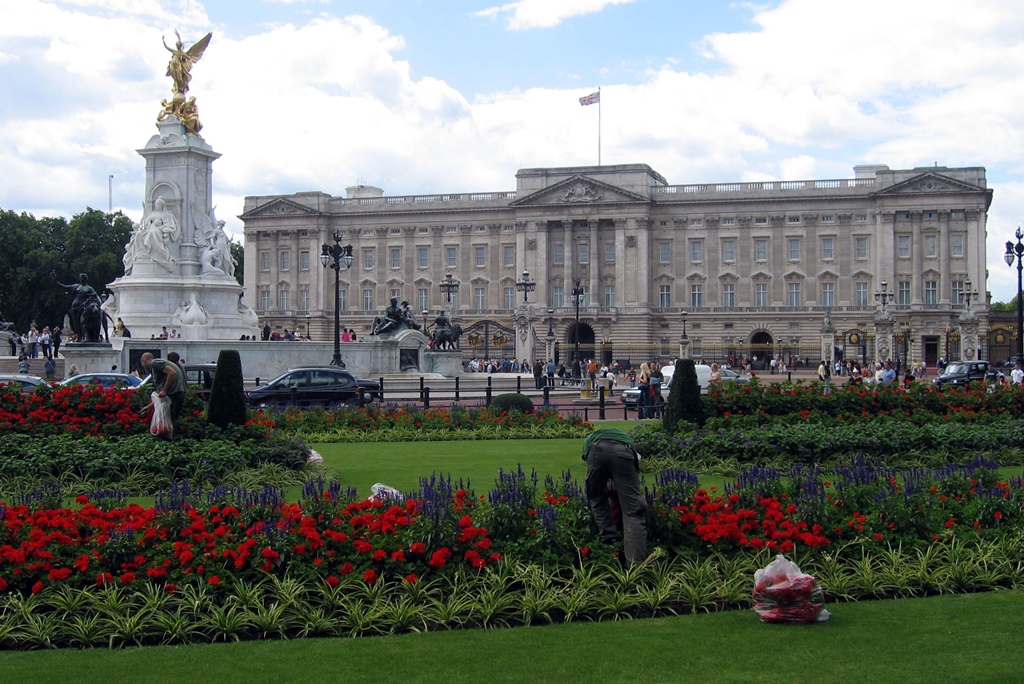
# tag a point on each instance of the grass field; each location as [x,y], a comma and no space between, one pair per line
[966,638]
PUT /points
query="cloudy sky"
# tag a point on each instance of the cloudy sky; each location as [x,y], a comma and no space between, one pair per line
[425,96]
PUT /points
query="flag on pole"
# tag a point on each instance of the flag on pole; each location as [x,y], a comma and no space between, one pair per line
[592,98]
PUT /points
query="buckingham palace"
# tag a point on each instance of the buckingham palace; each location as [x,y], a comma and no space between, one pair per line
[617,262]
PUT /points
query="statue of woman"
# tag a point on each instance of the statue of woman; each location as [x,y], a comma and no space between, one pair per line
[159,228]
[182,61]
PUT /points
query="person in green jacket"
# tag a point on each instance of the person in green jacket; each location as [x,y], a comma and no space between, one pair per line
[611,455]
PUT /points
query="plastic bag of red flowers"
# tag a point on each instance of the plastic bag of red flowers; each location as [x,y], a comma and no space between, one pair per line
[782,593]
[161,426]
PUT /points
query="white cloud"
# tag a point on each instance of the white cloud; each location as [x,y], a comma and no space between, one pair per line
[531,14]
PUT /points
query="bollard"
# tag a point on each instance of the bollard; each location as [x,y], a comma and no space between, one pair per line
[600,402]
[257,381]
[359,396]
[547,395]
[586,413]
[381,381]
[519,384]
[487,393]
[421,385]
[426,397]
[456,388]
[295,396]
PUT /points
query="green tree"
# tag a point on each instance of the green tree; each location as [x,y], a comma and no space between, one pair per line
[238,254]
[684,402]
[38,253]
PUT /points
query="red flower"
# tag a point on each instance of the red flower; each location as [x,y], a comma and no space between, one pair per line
[333,581]
[128,578]
[370,576]
[411,578]
[347,569]
[214,580]
[81,499]
[37,587]
[418,547]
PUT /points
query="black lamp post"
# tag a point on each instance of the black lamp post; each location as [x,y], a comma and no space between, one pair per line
[684,339]
[578,293]
[883,296]
[337,257]
[450,287]
[1016,251]
[526,285]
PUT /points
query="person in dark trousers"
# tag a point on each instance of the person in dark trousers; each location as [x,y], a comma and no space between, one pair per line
[168,381]
[610,454]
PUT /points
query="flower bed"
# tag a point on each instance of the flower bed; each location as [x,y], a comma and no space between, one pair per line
[771,400]
[406,424]
[248,565]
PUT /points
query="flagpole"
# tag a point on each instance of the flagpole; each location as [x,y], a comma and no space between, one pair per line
[599,125]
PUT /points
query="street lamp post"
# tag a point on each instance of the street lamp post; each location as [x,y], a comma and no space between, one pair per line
[1016,251]
[337,257]
[550,337]
[684,339]
[450,287]
[526,285]
[883,296]
[578,293]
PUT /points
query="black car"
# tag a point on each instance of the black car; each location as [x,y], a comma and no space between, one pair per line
[958,373]
[200,375]
[314,386]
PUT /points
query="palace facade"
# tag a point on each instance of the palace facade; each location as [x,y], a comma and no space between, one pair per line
[887,264]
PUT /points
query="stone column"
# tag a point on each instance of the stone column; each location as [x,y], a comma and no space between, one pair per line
[945,279]
[917,245]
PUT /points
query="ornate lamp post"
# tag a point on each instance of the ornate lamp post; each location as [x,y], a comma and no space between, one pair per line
[550,337]
[337,257]
[883,296]
[577,294]
[906,332]
[526,285]
[450,287]
[1016,251]
[684,339]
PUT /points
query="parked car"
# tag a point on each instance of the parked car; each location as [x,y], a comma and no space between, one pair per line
[200,375]
[959,373]
[28,382]
[314,386]
[106,380]
[630,395]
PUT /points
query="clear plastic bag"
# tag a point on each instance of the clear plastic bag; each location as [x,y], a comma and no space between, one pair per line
[782,593]
[161,425]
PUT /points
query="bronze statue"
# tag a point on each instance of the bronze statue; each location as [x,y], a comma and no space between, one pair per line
[86,314]
[182,61]
[446,334]
[391,322]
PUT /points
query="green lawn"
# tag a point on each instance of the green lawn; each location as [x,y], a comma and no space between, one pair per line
[965,638]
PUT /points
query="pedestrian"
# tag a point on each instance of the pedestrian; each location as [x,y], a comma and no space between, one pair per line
[168,381]
[610,454]
[55,340]
[50,368]
[23,364]
[549,370]
[825,376]
[644,385]
[1017,375]
[538,373]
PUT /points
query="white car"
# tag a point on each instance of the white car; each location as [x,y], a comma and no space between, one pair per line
[629,396]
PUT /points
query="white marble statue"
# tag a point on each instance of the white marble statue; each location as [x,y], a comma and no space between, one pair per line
[153,237]
[191,312]
[216,255]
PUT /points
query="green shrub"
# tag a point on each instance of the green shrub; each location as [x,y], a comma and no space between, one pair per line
[513,401]
[684,399]
[227,396]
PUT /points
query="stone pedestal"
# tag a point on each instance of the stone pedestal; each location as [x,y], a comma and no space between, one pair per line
[178,272]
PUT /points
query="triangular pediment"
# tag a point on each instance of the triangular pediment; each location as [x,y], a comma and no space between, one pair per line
[579,190]
[278,207]
[929,183]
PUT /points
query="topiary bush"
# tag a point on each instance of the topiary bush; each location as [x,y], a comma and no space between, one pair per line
[513,401]
[227,396]
[684,401]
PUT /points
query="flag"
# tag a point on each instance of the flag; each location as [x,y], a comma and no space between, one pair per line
[592,98]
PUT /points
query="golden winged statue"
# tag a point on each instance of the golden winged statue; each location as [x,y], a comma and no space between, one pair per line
[182,61]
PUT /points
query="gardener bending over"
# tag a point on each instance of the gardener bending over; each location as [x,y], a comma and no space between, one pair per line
[610,455]
[168,381]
